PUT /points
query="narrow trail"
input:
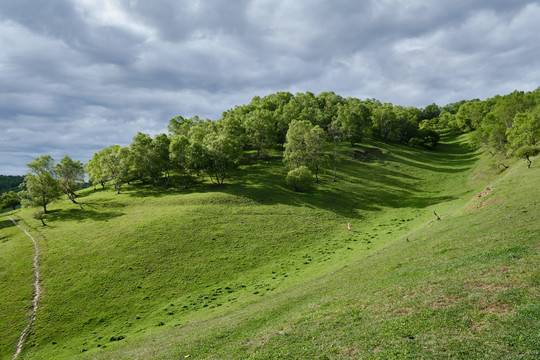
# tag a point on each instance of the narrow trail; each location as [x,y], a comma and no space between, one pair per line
[37,292]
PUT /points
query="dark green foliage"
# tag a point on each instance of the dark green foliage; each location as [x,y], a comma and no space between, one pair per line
[300,179]
[10,183]
[10,199]
[527,152]
[40,185]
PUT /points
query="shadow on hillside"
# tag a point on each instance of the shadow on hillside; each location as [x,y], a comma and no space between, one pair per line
[362,186]
[79,215]
[6,223]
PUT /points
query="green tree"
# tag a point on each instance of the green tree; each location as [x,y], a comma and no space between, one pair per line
[525,129]
[144,159]
[295,153]
[335,130]
[70,174]
[160,153]
[180,126]
[96,172]
[384,121]
[179,153]
[327,103]
[431,112]
[315,140]
[469,116]
[260,129]
[10,199]
[354,117]
[300,179]
[304,145]
[115,162]
[527,152]
[41,186]
[222,155]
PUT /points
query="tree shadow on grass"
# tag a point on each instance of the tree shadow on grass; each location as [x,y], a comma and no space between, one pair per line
[362,187]
[6,223]
[80,215]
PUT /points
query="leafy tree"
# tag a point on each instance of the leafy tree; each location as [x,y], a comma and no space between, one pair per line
[180,126]
[335,130]
[469,116]
[179,153]
[354,117]
[10,182]
[429,138]
[300,179]
[525,129]
[198,156]
[41,186]
[97,174]
[276,104]
[327,103]
[527,152]
[494,129]
[304,145]
[431,112]
[232,125]
[309,109]
[384,121]
[10,199]
[144,160]
[406,124]
[115,162]
[222,155]
[315,140]
[160,153]
[70,174]
[295,153]
[260,129]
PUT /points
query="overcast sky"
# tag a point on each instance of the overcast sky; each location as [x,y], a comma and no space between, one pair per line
[77,76]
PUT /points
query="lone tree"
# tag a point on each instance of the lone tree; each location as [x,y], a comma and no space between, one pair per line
[41,187]
[526,152]
[10,199]
[70,174]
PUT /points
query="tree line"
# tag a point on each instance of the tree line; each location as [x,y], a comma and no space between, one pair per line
[299,126]
[508,124]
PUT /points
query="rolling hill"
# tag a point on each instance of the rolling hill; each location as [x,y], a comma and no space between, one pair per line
[252,269]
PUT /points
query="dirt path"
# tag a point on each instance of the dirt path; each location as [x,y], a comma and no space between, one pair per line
[37,291]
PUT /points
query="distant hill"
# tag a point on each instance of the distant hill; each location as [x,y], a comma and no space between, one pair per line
[10,183]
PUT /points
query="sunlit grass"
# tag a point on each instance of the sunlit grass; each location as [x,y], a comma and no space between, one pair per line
[255,269]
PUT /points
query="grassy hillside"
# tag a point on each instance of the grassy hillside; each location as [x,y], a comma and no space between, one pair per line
[253,269]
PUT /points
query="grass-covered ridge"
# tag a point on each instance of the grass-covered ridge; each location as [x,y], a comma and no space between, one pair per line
[255,269]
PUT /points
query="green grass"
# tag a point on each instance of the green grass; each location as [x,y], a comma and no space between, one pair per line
[16,285]
[252,269]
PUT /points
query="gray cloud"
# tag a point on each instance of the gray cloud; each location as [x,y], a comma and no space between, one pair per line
[76,76]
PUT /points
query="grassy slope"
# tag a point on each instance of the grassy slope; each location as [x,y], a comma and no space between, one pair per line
[254,269]
[16,285]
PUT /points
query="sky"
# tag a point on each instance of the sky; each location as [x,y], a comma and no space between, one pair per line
[79,75]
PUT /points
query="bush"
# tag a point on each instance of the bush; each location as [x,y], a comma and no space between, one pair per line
[300,179]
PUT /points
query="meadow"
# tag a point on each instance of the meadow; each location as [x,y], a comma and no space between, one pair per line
[252,269]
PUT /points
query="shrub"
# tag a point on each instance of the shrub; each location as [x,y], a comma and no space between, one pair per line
[300,179]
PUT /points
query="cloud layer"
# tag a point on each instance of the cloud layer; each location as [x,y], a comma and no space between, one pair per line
[76,76]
